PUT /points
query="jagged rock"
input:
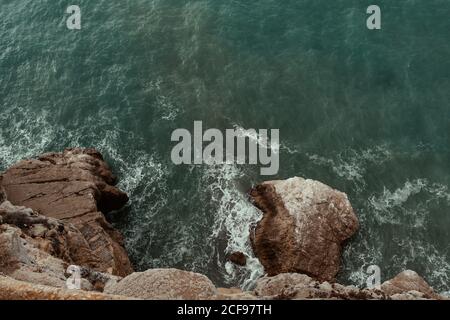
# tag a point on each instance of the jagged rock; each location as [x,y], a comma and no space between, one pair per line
[164,284]
[301,286]
[21,260]
[75,187]
[98,280]
[59,239]
[286,286]
[39,254]
[233,294]
[408,281]
[304,226]
[11,289]
[238,258]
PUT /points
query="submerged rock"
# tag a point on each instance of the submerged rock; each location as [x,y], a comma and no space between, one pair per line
[165,284]
[303,229]
[76,187]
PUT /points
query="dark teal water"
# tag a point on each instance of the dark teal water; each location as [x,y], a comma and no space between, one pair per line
[367,112]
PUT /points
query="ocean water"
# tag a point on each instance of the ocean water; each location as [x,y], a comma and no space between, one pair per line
[367,112]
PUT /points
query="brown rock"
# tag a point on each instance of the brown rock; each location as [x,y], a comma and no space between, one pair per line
[164,284]
[11,289]
[234,294]
[21,260]
[304,226]
[301,286]
[408,281]
[76,187]
[59,239]
[238,258]
[39,249]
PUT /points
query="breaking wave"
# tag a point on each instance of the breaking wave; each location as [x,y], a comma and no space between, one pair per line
[234,216]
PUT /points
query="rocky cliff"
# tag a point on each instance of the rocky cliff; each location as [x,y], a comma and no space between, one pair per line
[52,216]
[73,188]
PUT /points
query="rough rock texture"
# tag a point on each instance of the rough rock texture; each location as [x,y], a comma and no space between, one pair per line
[165,284]
[39,250]
[21,260]
[408,281]
[59,239]
[304,226]
[75,187]
[301,286]
[234,294]
[238,258]
[11,289]
[51,216]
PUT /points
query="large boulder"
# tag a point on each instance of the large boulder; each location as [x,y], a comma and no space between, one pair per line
[304,226]
[408,281]
[164,284]
[75,187]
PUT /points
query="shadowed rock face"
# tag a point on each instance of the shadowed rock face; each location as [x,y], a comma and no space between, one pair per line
[304,226]
[77,188]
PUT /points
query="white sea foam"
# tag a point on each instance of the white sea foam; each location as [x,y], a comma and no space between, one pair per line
[234,216]
[406,208]
[389,206]
[166,109]
[352,164]
[258,139]
[23,135]
[435,264]
[358,274]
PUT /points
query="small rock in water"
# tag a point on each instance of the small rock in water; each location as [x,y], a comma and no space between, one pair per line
[238,258]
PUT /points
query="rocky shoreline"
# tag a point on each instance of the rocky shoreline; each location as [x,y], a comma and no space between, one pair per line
[52,216]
